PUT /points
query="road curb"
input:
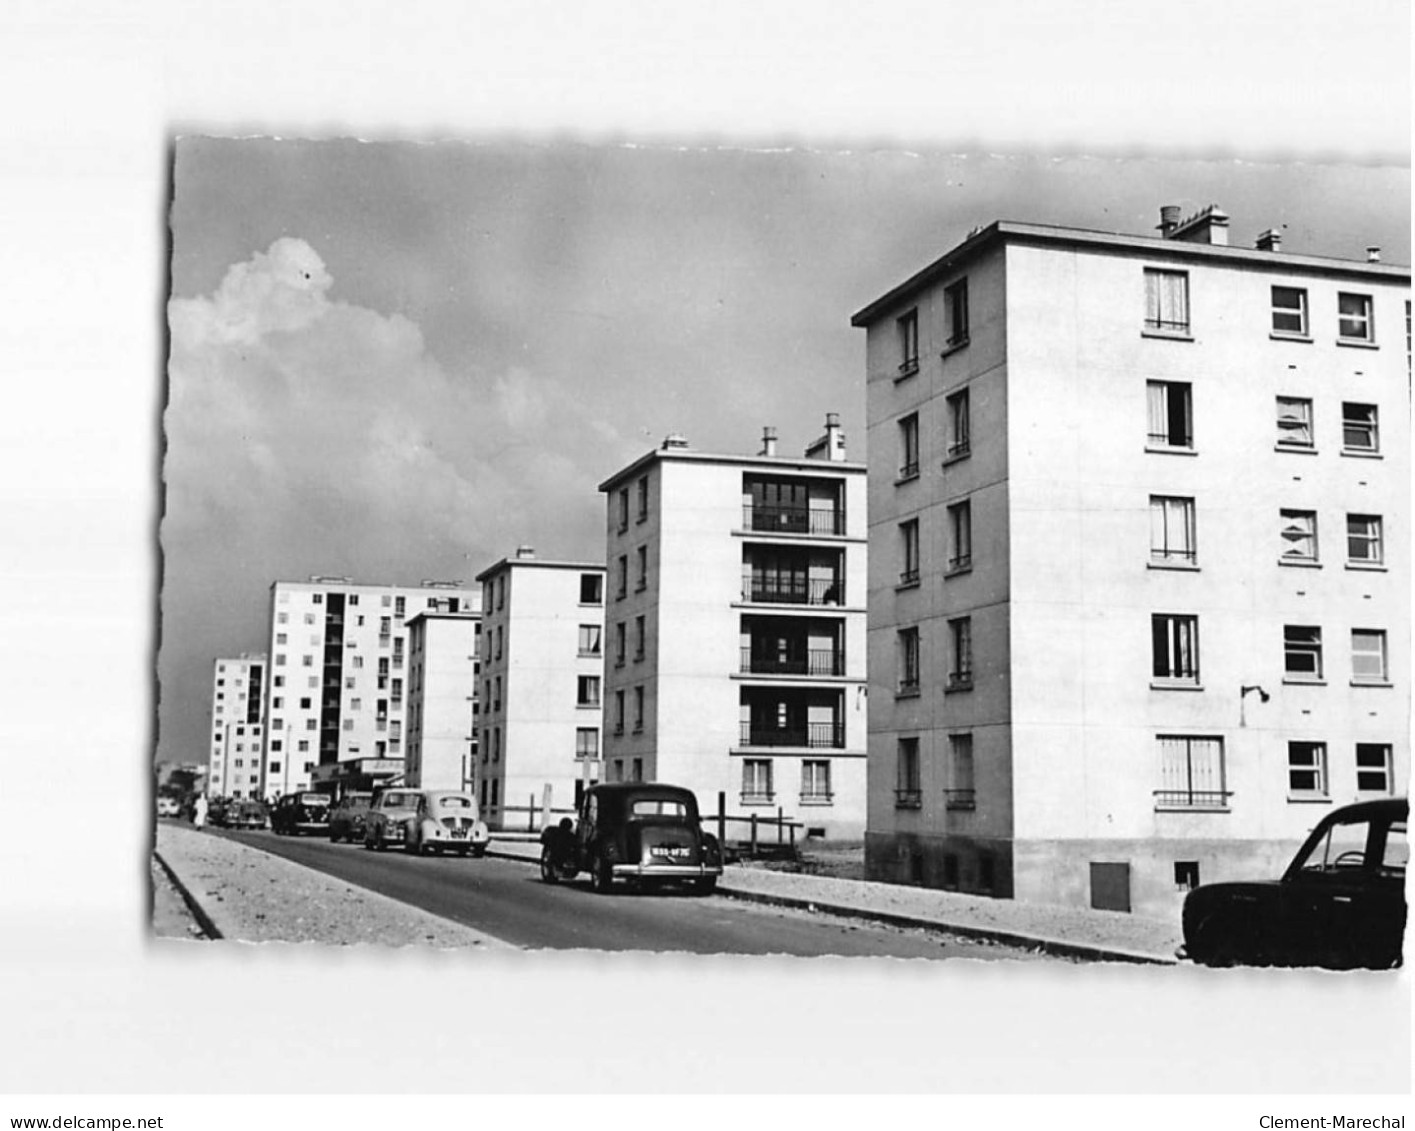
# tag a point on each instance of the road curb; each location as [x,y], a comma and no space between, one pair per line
[204,921]
[1060,948]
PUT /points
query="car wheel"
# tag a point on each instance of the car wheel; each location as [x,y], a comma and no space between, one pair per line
[601,876]
[548,872]
[705,886]
[463,852]
[379,843]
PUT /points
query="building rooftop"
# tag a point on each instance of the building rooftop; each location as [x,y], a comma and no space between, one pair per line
[526,556]
[1178,244]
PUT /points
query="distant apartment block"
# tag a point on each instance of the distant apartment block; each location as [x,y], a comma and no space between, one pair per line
[336,704]
[237,725]
[1139,586]
[735,621]
[443,670]
[542,680]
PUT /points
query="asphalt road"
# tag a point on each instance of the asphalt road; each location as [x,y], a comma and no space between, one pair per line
[507,899]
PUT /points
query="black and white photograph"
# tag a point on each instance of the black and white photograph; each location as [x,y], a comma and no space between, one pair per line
[873,605]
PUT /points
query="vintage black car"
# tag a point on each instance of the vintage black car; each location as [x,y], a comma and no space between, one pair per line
[347,819]
[644,833]
[305,812]
[1340,904]
[246,815]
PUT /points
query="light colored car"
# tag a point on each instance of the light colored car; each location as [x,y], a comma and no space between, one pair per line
[389,816]
[447,821]
[168,807]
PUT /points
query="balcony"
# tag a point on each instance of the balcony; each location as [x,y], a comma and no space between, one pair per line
[1212,799]
[794,591]
[793,520]
[815,736]
[815,661]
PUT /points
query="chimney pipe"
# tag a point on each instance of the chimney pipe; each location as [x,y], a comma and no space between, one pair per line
[523,552]
[675,440]
[768,441]
[1271,240]
[1373,254]
[1169,219]
[834,437]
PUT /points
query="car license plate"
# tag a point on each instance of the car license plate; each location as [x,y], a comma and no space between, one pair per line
[672,852]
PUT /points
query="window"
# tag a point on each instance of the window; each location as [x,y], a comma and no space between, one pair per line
[909,550]
[586,691]
[639,638]
[1299,537]
[279,661]
[1294,423]
[623,589]
[909,446]
[636,770]
[1359,430]
[1171,414]
[1373,768]
[961,792]
[591,589]
[756,781]
[619,636]
[960,529]
[959,424]
[589,639]
[586,742]
[644,499]
[1175,646]
[815,783]
[1368,655]
[1363,539]
[311,724]
[955,312]
[619,712]
[908,661]
[1307,769]
[280,638]
[1166,301]
[274,767]
[960,670]
[1290,311]
[1172,540]
[1302,651]
[638,710]
[1353,322]
[643,569]
[909,343]
[1191,773]
[318,598]
[623,509]
[908,794]
[305,703]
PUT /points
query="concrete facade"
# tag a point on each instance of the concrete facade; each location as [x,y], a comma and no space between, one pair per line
[337,690]
[237,726]
[735,631]
[443,676]
[1162,494]
[541,686]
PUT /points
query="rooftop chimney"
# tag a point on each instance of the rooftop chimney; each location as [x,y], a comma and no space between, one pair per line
[675,440]
[524,552]
[1271,240]
[1373,254]
[1169,219]
[1207,226]
[831,446]
[768,441]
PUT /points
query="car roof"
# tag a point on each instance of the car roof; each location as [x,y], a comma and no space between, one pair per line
[620,790]
[1384,807]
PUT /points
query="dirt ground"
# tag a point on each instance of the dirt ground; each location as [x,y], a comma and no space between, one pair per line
[842,860]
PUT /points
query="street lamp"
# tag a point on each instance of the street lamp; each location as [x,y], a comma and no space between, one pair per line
[1243,692]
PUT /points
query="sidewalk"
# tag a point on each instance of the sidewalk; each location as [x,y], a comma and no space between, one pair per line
[1064,931]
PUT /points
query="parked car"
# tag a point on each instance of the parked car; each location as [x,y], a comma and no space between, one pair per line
[347,819]
[447,821]
[645,833]
[304,812]
[388,817]
[1340,904]
[246,815]
[168,806]
[216,812]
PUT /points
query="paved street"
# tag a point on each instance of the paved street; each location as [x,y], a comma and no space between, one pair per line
[507,899]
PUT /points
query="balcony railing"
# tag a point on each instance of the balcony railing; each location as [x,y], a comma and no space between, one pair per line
[960,798]
[1192,798]
[793,520]
[816,736]
[757,797]
[816,661]
[908,798]
[791,591]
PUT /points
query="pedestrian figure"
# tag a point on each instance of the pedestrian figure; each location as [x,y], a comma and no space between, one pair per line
[199,814]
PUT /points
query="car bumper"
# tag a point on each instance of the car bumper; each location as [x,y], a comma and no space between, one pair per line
[667,871]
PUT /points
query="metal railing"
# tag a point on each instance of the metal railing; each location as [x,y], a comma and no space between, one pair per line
[793,591]
[793,520]
[908,798]
[816,661]
[960,798]
[1193,798]
[816,736]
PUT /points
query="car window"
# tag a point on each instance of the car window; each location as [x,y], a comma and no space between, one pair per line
[1397,851]
[455,802]
[657,807]
[1343,848]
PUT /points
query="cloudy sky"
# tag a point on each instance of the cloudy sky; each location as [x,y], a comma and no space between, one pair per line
[399,361]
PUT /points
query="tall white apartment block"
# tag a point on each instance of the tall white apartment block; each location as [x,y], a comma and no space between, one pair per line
[1139,577]
[336,704]
[443,667]
[237,726]
[541,685]
[735,659]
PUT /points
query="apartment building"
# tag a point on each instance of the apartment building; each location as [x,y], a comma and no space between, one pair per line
[541,685]
[443,671]
[336,703]
[735,617]
[237,725]
[1139,592]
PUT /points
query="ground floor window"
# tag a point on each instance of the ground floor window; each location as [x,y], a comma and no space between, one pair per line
[756,781]
[815,783]
[1307,769]
[908,793]
[1192,774]
[1373,768]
